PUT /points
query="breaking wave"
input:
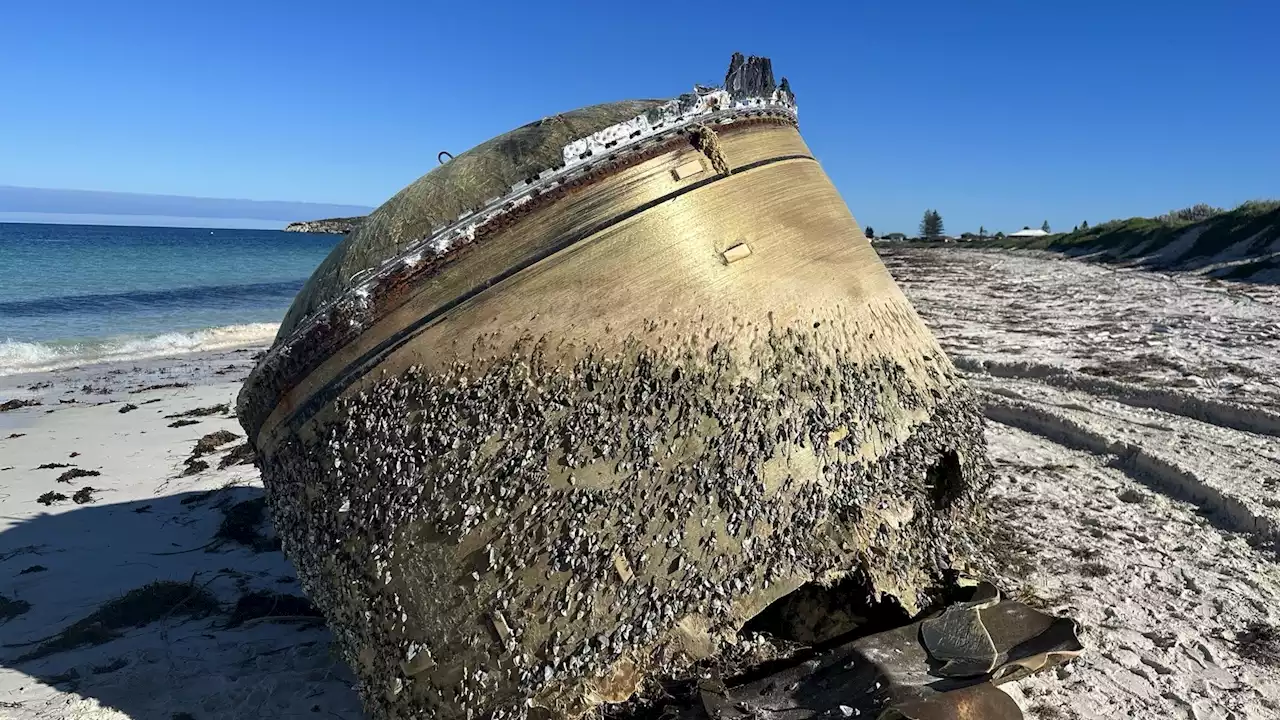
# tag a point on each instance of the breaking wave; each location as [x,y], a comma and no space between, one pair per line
[24,357]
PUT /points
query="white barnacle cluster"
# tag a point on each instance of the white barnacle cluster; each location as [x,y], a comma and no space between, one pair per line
[628,130]
[417,659]
[714,104]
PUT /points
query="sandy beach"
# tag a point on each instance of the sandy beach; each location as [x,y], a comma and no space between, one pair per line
[1132,420]
[1136,437]
[216,626]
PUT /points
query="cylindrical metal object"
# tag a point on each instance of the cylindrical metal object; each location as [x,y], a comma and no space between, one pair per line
[591,442]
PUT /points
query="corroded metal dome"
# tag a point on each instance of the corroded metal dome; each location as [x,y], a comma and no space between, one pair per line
[573,407]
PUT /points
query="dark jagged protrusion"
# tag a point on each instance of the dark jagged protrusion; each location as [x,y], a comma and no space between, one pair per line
[785,88]
[749,77]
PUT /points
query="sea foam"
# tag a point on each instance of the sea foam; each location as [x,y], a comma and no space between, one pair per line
[23,357]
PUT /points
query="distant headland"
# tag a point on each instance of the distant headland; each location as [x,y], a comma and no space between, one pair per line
[331,226]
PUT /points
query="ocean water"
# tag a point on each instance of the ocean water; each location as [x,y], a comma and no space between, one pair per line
[72,294]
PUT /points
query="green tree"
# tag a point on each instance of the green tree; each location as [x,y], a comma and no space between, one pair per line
[1045,226]
[931,225]
[1084,225]
[982,232]
[871,233]
[999,235]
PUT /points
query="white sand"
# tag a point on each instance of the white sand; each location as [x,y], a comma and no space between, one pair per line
[1136,435]
[98,551]
[1137,452]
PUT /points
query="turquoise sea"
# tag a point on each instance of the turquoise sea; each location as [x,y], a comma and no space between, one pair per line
[71,294]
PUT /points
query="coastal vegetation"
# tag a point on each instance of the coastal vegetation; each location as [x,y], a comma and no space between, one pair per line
[1242,243]
[931,225]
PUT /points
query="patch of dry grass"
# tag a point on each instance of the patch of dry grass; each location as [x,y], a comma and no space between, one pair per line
[84,495]
[242,523]
[161,386]
[74,473]
[50,498]
[262,604]
[221,409]
[204,446]
[142,606]
[211,442]
[241,454]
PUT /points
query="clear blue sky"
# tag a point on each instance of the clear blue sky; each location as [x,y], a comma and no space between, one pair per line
[996,113]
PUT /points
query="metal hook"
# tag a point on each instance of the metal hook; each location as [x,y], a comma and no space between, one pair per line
[440,156]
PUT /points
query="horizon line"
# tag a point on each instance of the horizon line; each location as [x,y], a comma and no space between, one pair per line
[54,203]
[8,186]
[176,222]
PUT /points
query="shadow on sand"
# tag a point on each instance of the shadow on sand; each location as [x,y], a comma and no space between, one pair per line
[179,607]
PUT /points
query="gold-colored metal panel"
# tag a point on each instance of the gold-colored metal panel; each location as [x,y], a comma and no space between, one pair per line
[629,190]
[809,263]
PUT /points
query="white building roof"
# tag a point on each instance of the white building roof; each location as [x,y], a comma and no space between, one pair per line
[1028,233]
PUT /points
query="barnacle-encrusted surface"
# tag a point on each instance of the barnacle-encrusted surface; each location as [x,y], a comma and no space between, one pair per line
[673,384]
[534,530]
